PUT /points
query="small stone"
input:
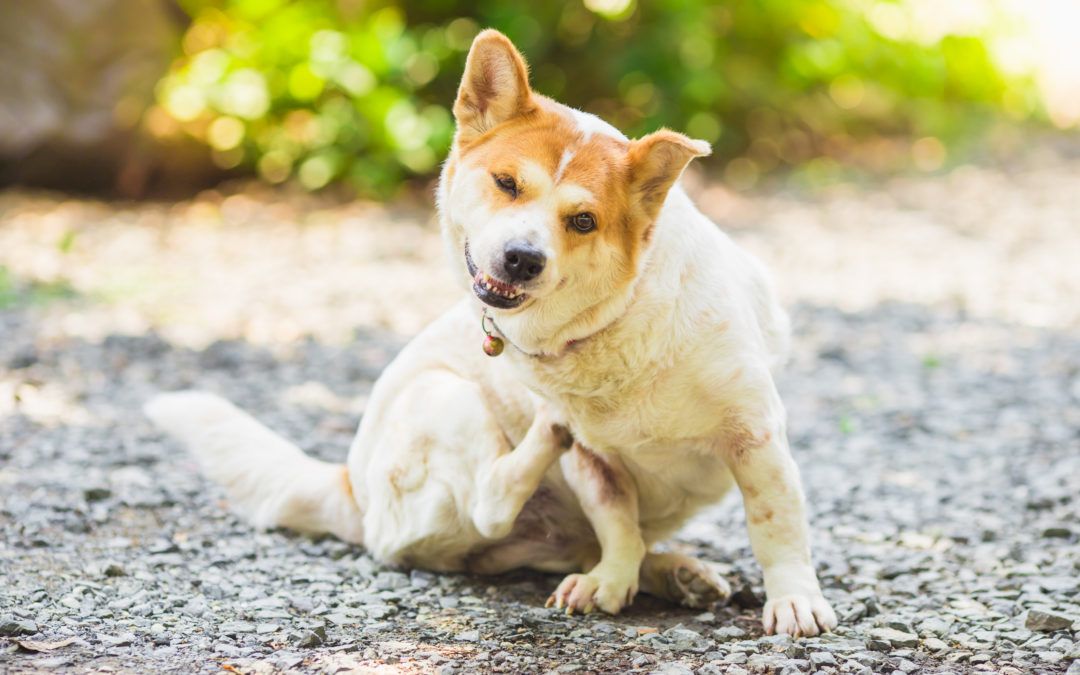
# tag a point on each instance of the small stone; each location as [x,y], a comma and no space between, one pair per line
[819,659]
[868,659]
[468,636]
[24,357]
[729,633]
[604,628]
[1050,657]
[114,570]
[1057,533]
[1041,620]
[97,494]
[779,640]
[313,638]
[226,649]
[12,627]
[231,627]
[673,669]
[900,625]
[687,640]
[934,626]
[895,638]
[935,644]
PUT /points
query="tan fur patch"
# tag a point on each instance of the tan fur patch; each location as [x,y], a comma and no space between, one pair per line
[763,516]
[346,483]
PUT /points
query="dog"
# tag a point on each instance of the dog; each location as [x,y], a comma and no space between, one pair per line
[632,388]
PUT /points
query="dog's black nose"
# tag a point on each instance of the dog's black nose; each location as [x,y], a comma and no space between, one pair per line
[522,261]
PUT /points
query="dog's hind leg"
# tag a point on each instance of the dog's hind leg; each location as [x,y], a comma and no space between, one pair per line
[687,581]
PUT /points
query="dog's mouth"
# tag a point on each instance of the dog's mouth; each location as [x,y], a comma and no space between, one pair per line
[492,291]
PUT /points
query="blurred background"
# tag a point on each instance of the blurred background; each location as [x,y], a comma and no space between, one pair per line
[149,97]
[169,163]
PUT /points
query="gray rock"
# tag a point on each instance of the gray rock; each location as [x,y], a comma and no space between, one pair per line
[726,633]
[13,627]
[234,627]
[673,669]
[684,639]
[894,638]
[312,638]
[1041,620]
[468,636]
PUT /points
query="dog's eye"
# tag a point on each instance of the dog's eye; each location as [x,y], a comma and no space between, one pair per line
[507,184]
[583,222]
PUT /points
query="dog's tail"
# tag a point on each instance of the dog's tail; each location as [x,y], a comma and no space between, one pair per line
[270,481]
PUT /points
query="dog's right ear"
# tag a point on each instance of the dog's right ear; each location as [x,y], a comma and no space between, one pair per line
[494,88]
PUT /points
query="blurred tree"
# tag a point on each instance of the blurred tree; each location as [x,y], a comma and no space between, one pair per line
[75,78]
[322,90]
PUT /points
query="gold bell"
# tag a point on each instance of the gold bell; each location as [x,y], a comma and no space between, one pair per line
[493,346]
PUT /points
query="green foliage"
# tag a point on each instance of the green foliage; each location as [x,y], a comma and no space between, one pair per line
[321,90]
[14,293]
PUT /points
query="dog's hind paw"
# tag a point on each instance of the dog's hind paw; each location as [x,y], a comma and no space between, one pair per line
[684,580]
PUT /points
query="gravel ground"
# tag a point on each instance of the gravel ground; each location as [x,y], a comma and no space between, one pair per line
[937,425]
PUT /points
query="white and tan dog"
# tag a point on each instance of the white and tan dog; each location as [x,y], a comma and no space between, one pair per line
[634,390]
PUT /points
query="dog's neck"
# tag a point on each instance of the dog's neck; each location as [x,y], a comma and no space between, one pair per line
[553,348]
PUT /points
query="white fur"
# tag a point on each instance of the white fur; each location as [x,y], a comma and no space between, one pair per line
[590,124]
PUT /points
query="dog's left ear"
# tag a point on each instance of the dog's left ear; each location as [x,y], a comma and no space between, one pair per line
[656,162]
[494,88]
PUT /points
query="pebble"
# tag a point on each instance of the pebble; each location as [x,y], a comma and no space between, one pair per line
[230,627]
[726,633]
[468,636]
[894,638]
[1047,621]
[12,627]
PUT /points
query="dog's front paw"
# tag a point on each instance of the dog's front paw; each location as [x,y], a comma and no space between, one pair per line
[799,615]
[586,592]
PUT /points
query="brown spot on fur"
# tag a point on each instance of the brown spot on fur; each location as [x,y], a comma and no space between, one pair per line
[765,516]
[609,487]
[563,438]
[741,440]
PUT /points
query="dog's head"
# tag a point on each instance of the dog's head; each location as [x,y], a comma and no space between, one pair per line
[548,210]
